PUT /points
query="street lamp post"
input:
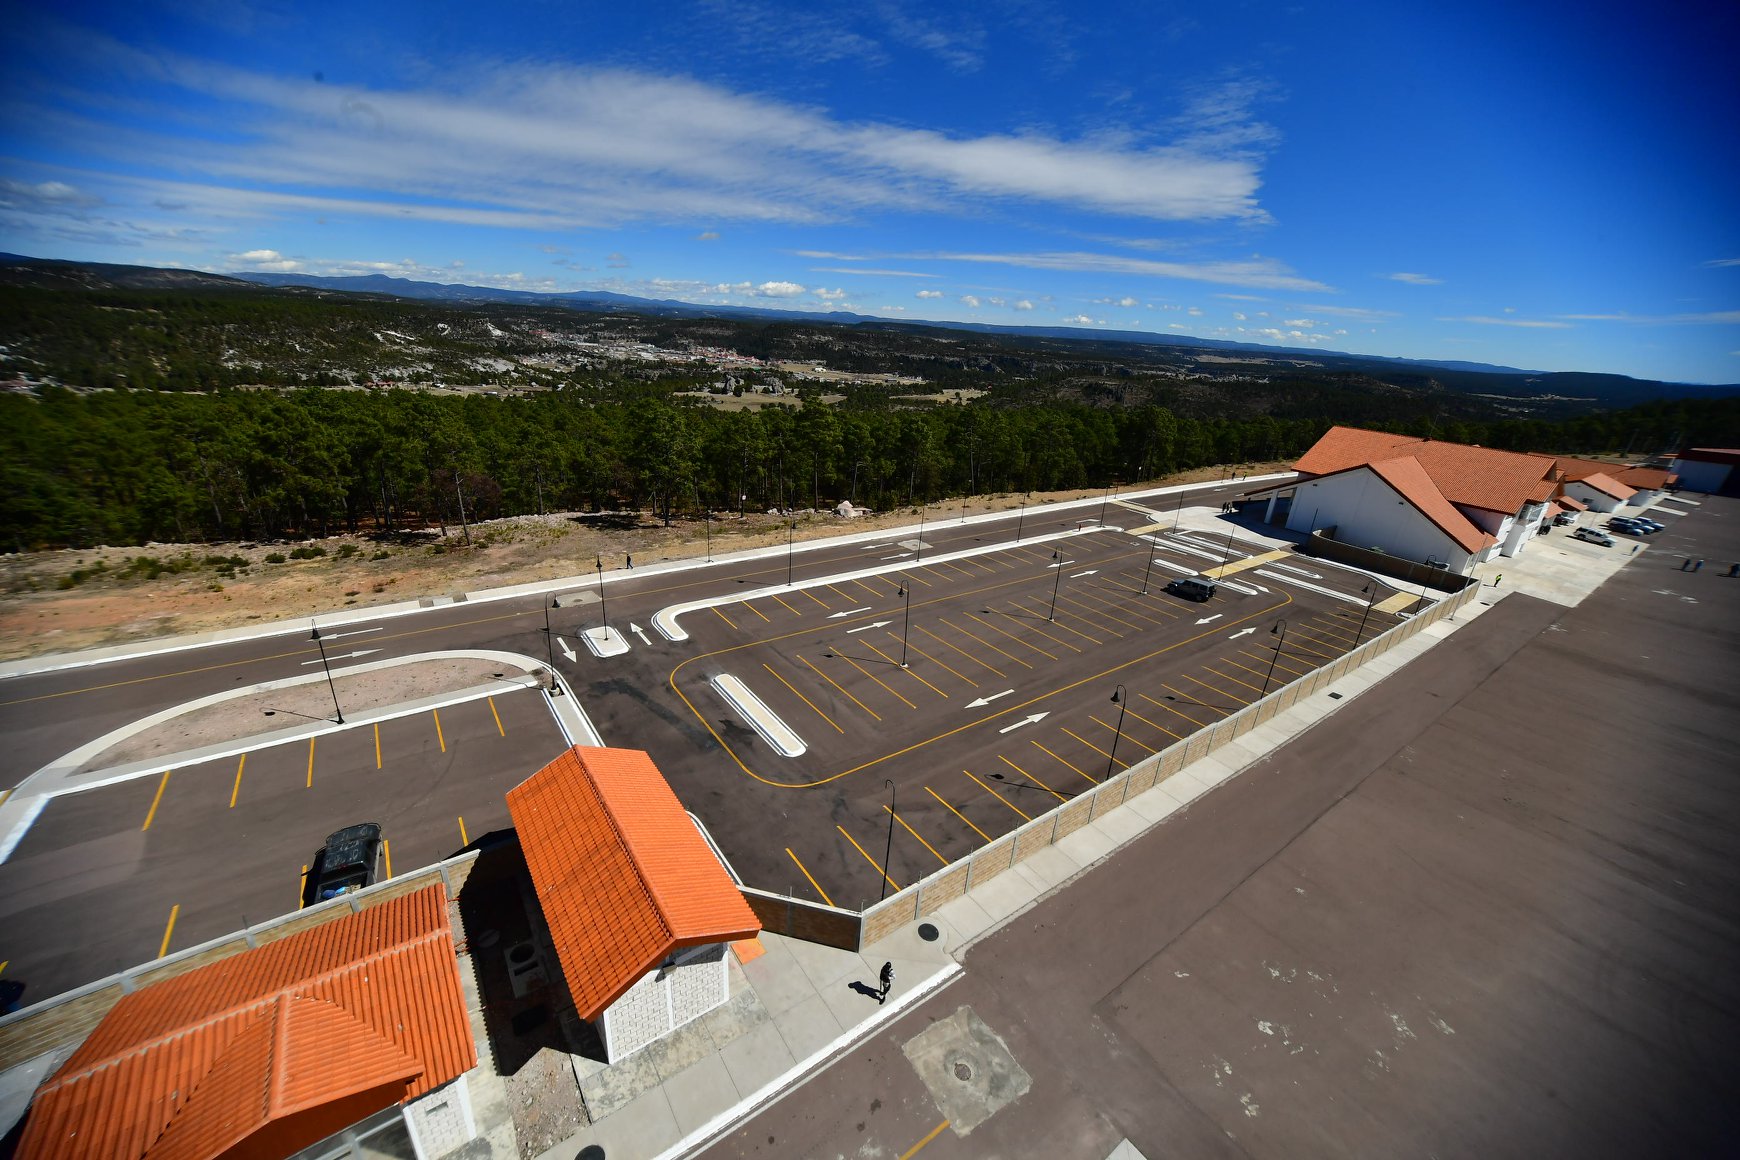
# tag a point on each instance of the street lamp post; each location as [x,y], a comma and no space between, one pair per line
[1178,512]
[906,627]
[1149,571]
[550,647]
[1057,563]
[337,712]
[1280,630]
[790,535]
[603,608]
[1226,556]
[1370,594]
[920,535]
[889,848]
[1020,518]
[853,498]
[1119,696]
[1104,500]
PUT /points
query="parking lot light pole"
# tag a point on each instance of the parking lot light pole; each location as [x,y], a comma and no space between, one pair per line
[790,535]
[889,848]
[1020,518]
[1178,512]
[1150,569]
[1370,594]
[339,713]
[905,628]
[1280,630]
[603,609]
[1056,581]
[920,536]
[550,647]
[1119,696]
[1226,556]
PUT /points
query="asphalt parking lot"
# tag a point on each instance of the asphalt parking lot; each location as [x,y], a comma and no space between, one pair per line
[1003,707]
[120,875]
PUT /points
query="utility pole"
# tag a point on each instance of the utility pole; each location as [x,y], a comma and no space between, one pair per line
[337,712]
[460,492]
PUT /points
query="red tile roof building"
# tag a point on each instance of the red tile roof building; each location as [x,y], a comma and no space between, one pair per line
[270,1050]
[624,877]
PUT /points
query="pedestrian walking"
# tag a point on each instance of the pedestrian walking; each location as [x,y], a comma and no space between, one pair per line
[1634,548]
[1698,567]
[887,982]
[630,560]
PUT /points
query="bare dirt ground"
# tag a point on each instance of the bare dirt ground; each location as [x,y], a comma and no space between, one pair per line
[63,601]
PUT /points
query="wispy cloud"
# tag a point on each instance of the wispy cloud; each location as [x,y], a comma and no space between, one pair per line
[928,294]
[1525,323]
[1723,262]
[540,146]
[877,273]
[1361,313]
[1415,279]
[1715,317]
[1264,273]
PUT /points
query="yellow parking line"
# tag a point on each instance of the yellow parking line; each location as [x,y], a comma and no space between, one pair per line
[956,567]
[908,671]
[161,786]
[814,597]
[310,783]
[936,662]
[999,796]
[1034,776]
[841,595]
[1217,689]
[788,607]
[803,698]
[811,877]
[464,838]
[725,618]
[876,592]
[302,891]
[1067,762]
[237,788]
[1039,616]
[4,794]
[1155,725]
[928,1137]
[957,813]
[981,620]
[377,745]
[962,651]
[439,735]
[881,873]
[1113,729]
[3,965]
[497,717]
[874,677]
[1172,709]
[837,685]
[387,852]
[911,579]
[163,948]
[1280,662]
[986,643]
[1089,744]
[1102,609]
[757,612]
[916,834]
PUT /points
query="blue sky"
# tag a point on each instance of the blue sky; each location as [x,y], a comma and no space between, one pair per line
[1548,186]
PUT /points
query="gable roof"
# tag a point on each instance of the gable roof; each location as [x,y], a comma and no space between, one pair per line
[1607,485]
[1571,503]
[1645,478]
[1497,481]
[1410,480]
[622,873]
[350,1016]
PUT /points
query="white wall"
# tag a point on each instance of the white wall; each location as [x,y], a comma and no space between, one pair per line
[1696,475]
[1368,513]
[689,985]
[1597,501]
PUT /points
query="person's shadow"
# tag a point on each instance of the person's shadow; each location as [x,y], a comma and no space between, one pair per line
[866,989]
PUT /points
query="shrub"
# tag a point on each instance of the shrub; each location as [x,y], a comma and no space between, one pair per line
[274,557]
[382,554]
[307,552]
[346,551]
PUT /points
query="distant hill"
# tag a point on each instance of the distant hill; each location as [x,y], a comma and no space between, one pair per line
[53,274]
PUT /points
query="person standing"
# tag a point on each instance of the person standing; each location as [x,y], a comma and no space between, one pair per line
[887,982]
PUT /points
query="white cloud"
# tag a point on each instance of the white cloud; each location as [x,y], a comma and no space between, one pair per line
[1525,323]
[778,290]
[1415,279]
[43,195]
[1080,320]
[1239,317]
[1024,304]
[998,301]
[1126,301]
[617,261]
[830,295]
[707,236]
[1265,273]
[1356,312]
[1303,323]
[259,256]
[1723,262]
[1242,297]
[971,300]
[876,273]
[929,294]
[1194,312]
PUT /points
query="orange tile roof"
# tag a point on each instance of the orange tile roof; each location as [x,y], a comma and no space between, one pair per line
[365,1005]
[1497,481]
[1645,478]
[1573,469]
[1410,480]
[622,874]
[1607,485]
[1575,505]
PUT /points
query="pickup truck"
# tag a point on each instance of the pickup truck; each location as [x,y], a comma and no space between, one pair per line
[350,860]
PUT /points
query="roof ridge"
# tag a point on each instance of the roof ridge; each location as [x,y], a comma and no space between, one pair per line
[634,858]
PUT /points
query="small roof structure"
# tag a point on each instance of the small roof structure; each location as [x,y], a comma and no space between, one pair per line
[621,870]
[1607,485]
[1480,477]
[269,1050]
[1571,503]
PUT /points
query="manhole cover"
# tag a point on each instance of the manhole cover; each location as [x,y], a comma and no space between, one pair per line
[928,932]
[963,1071]
[590,1152]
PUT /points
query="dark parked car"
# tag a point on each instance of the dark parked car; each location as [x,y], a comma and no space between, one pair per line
[350,860]
[1564,519]
[1193,588]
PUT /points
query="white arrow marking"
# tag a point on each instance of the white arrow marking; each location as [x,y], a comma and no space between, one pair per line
[1259,588]
[566,651]
[357,632]
[983,701]
[872,624]
[638,631]
[1206,619]
[1239,633]
[851,612]
[1089,572]
[898,556]
[1024,721]
[361,652]
[1061,564]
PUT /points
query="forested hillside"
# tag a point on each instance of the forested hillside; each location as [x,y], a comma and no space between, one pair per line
[125,467]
